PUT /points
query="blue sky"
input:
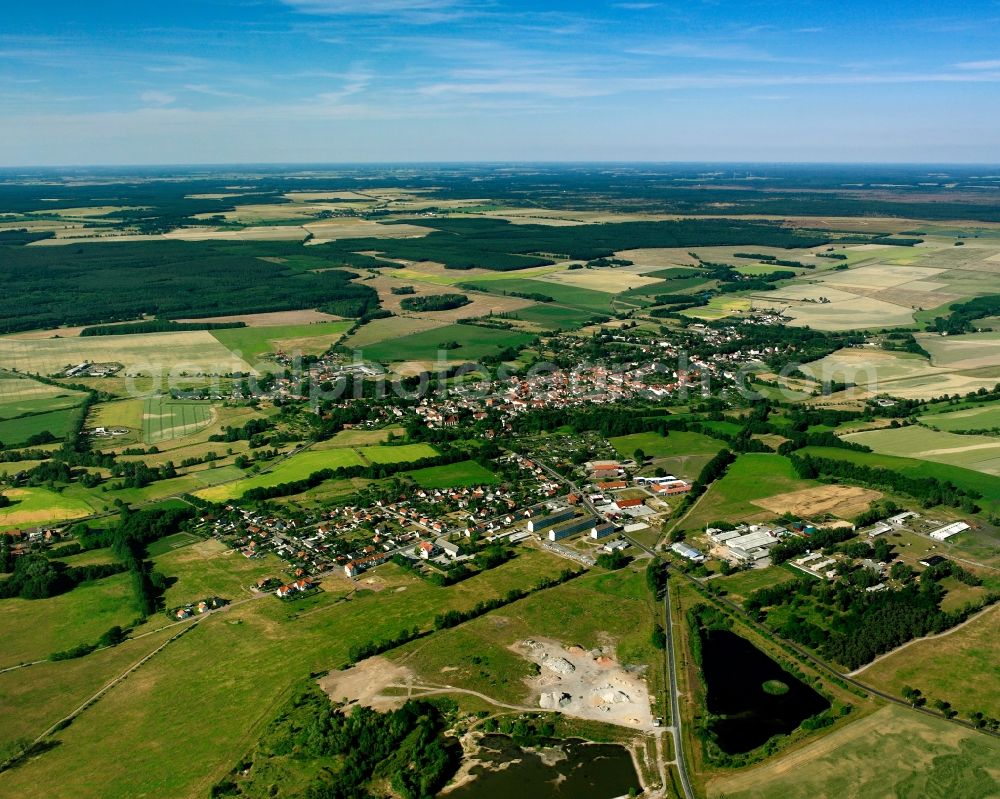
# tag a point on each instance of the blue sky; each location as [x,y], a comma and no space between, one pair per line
[224,81]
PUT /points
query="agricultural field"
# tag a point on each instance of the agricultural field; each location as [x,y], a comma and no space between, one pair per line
[986,484]
[297,467]
[893,752]
[974,416]
[976,452]
[251,343]
[681,453]
[400,453]
[191,352]
[431,345]
[22,395]
[968,351]
[564,294]
[258,650]
[720,307]
[899,374]
[165,419]
[14,432]
[884,286]
[549,316]
[453,475]
[34,506]
[752,477]
[387,330]
[931,664]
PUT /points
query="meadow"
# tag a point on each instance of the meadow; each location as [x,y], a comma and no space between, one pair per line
[297,467]
[258,650]
[893,752]
[399,453]
[431,345]
[14,432]
[453,475]
[34,506]
[680,453]
[597,610]
[931,665]
[33,629]
[751,477]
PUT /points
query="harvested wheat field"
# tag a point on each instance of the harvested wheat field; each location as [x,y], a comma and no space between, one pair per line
[838,500]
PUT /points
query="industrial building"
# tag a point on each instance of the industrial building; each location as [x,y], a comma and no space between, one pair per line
[685,551]
[571,527]
[545,522]
[747,544]
[602,530]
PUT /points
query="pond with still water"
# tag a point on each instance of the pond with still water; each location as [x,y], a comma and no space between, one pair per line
[561,769]
[752,696]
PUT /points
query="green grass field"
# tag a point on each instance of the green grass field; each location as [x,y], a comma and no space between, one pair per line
[210,568]
[33,629]
[429,345]
[21,395]
[297,467]
[165,419]
[752,476]
[257,652]
[894,752]
[401,453]
[14,432]
[678,442]
[741,584]
[35,506]
[453,475]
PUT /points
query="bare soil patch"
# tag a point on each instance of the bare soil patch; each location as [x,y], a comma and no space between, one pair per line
[839,500]
[587,684]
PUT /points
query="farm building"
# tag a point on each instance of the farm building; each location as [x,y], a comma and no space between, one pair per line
[569,528]
[545,522]
[879,529]
[943,533]
[602,530]
[685,551]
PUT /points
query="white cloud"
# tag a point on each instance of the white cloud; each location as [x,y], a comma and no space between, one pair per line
[978,65]
[370,7]
[156,99]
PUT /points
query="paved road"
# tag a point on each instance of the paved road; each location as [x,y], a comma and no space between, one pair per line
[675,709]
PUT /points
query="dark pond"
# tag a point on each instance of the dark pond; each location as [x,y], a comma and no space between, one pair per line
[561,770]
[752,694]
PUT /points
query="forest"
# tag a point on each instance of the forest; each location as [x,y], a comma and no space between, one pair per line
[90,284]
